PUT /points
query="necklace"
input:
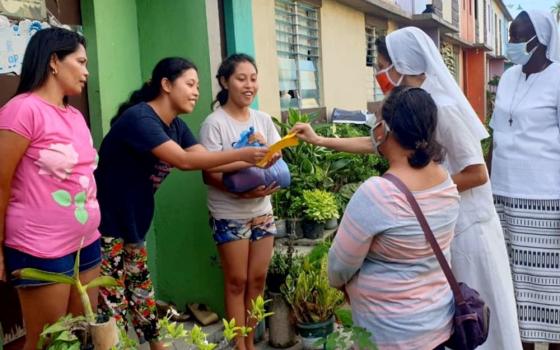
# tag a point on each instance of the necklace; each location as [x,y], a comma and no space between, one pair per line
[513,105]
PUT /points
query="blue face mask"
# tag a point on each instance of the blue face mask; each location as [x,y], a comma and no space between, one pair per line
[517,52]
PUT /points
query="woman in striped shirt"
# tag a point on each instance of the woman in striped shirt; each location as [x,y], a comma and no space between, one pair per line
[380,256]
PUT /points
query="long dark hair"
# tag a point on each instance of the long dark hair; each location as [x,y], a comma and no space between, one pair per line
[411,114]
[226,70]
[42,46]
[170,68]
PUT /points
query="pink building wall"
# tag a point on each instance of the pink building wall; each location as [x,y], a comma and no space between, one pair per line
[495,67]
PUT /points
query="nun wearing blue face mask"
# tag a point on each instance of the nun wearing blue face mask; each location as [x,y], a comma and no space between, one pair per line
[525,172]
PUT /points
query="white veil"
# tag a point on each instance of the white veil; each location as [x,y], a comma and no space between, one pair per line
[413,52]
[547,32]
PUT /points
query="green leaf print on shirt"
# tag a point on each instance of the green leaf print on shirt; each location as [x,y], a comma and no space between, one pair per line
[80,200]
[81,215]
[62,198]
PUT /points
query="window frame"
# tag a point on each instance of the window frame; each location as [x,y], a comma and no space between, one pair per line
[303,42]
[376,32]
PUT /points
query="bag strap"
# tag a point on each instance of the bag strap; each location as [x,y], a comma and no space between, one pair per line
[429,237]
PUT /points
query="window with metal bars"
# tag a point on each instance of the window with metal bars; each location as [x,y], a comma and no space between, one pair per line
[297,43]
[373,89]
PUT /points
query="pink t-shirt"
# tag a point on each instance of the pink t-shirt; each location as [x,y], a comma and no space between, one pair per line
[53,201]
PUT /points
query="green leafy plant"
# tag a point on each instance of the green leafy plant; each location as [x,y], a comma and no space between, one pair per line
[68,332]
[197,339]
[319,205]
[313,167]
[278,264]
[345,193]
[347,335]
[231,330]
[318,253]
[258,311]
[309,294]
[74,280]
[346,338]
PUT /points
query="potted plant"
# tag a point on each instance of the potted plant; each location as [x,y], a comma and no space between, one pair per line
[313,301]
[319,207]
[277,272]
[85,332]
[282,323]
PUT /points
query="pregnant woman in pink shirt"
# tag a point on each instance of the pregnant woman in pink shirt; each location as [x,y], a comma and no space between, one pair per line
[47,190]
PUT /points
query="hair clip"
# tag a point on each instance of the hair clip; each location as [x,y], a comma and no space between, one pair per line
[421,144]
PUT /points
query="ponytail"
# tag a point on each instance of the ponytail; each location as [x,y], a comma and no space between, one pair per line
[146,93]
[221,98]
[424,153]
[169,68]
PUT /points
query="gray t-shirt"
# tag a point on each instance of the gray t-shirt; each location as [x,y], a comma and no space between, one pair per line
[218,132]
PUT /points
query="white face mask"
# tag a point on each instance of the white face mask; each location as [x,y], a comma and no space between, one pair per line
[377,143]
[517,52]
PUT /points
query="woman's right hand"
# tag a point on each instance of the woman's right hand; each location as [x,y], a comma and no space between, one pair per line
[252,155]
[305,132]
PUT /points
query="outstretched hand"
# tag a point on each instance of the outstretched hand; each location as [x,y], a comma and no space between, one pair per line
[305,132]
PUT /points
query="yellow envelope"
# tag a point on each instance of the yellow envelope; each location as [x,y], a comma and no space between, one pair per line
[287,141]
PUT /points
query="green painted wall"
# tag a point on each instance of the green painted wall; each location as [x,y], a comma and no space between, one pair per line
[114,58]
[186,255]
[238,18]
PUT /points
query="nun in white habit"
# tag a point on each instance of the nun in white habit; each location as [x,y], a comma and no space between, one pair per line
[408,56]
[526,172]
[478,251]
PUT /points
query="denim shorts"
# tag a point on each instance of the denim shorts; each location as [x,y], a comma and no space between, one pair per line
[14,259]
[229,230]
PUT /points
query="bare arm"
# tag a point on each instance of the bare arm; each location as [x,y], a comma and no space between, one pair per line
[351,144]
[12,149]
[237,165]
[214,179]
[231,167]
[197,157]
[472,176]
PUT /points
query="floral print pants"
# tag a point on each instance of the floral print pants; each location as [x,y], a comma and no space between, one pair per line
[128,264]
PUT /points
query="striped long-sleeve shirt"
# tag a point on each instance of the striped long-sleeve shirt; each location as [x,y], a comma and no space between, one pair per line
[396,287]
